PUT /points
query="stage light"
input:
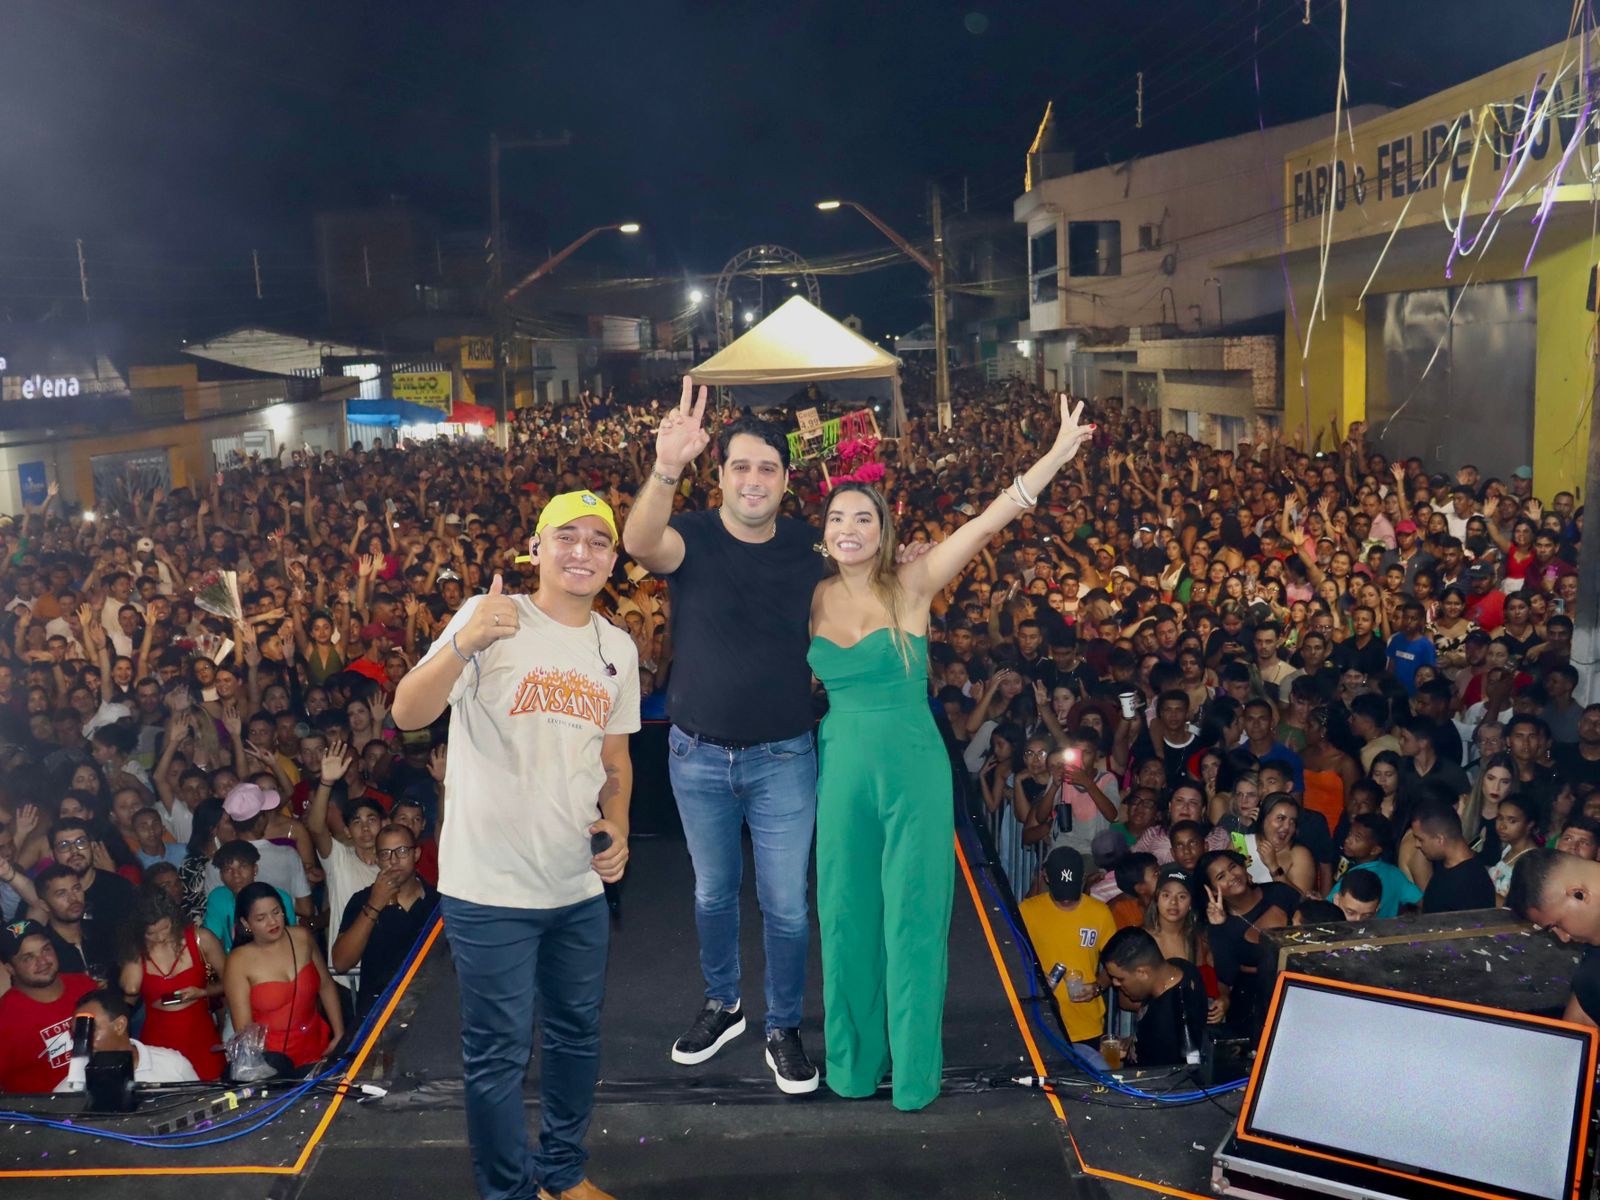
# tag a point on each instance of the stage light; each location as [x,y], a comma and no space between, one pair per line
[630,227]
[749,317]
[829,205]
[696,296]
[88,514]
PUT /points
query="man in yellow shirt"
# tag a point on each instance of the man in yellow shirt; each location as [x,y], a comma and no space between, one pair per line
[1069,928]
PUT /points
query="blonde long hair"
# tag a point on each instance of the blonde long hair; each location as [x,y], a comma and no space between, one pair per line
[883,580]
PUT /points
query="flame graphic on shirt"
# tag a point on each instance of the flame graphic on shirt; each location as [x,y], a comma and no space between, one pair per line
[562,693]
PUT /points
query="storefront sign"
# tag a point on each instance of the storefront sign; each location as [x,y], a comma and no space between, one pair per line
[477,354]
[31,478]
[1429,147]
[433,388]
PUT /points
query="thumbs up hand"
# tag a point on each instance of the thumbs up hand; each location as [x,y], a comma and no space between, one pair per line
[495,617]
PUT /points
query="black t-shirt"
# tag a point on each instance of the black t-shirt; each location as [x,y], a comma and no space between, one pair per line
[390,940]
[1458,888]
[110,901]
[1447,774]
[1574,768]
[1370,659]
[741,616]
[96,957]
[1586,983]
[1161,1021]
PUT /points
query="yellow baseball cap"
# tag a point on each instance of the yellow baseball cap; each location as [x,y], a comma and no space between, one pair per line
[569,506]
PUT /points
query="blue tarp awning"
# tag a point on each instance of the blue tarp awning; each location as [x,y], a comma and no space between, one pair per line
[392,413]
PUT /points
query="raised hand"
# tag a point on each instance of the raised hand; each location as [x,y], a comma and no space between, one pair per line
[336,760]
[379,710]
[231,720]
[1071,436]
[1215,913]
[494,618]
[27,824]
[437,761]
[682,435]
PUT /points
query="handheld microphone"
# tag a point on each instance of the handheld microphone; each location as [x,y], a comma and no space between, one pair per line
[600,842]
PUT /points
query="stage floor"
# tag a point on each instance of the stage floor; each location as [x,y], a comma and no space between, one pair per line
[664,1131]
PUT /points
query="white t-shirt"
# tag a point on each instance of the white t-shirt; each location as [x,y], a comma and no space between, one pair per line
[347,875]
[280,866]
[155,1064]
[528,719]
[178,820]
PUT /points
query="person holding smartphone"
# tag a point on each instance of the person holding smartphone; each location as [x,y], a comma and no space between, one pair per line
[1086,804]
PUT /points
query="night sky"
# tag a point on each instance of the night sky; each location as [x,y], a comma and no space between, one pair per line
[175,136]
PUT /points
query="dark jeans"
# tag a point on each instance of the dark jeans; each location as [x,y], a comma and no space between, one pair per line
[507,959]
[772,788]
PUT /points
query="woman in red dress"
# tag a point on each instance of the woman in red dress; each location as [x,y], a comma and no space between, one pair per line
[276,976]
[176,970]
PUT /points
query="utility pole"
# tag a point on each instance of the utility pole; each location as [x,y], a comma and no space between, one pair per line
[1586,621]
[499,310]
[83,280]
[941,318]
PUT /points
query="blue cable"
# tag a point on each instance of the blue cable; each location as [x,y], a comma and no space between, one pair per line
[263,1115]
[1107,1081]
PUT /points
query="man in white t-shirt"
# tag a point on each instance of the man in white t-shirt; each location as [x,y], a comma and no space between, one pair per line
[542,697]
[249,807]
[151,1064]
[349,861]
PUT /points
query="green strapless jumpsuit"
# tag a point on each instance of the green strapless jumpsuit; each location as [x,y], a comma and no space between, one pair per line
[885,869]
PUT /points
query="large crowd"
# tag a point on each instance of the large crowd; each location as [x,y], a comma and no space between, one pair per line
[1199,693]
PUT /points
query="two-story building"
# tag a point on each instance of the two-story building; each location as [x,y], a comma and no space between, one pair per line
[1144,280]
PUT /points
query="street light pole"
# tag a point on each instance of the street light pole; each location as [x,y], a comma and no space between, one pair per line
[935,268]
[941,319]
[555,260]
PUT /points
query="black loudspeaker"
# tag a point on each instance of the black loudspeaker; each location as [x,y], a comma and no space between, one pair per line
[110,1082]
[1367,1090]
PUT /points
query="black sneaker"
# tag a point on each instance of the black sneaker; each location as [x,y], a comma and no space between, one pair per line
[713,1029]
[790,1066]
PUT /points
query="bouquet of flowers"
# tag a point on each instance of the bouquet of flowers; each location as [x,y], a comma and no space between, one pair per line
[218,594]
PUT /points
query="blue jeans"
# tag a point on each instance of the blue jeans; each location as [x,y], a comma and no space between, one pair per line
[772,788]
[507,959]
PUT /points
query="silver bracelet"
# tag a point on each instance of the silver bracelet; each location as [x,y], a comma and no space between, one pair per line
[670,480]
[1018,495]
[464,658]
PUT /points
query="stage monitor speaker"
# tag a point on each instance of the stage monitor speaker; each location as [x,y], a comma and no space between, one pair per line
[1419,1096]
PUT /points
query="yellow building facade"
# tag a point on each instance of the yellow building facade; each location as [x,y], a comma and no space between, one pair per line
[1416,305]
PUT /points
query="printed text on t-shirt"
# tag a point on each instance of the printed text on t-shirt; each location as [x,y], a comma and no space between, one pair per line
[562,693]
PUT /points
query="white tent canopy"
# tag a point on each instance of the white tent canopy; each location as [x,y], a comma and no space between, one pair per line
[796,345]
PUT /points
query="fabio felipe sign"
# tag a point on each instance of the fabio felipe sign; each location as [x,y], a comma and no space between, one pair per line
[1460,140]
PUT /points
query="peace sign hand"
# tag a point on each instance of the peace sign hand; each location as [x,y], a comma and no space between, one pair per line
[1071,436]
[1215,913]
[682,435]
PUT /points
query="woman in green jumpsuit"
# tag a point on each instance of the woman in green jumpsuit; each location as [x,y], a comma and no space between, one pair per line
[885,815]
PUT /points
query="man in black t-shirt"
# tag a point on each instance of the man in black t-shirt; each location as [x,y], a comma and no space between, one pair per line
[1364,651]
[85,947]
[108,897]
[1460,882]
[1169,995]
[1561,893]
[1580,763]
[740,749]
[382,922]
